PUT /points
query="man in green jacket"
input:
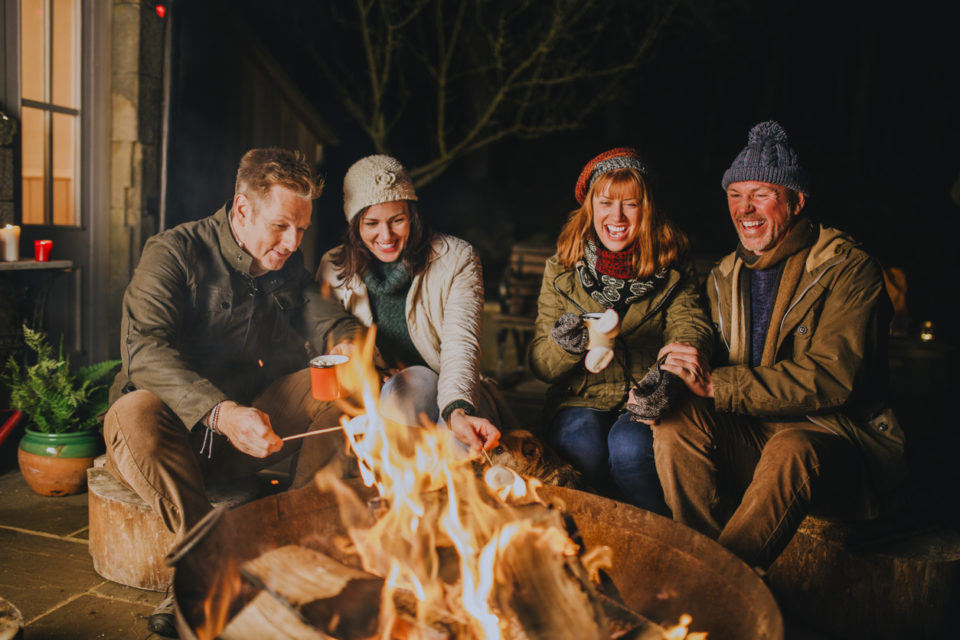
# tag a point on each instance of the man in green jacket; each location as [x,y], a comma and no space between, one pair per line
[793,419]
[216,324]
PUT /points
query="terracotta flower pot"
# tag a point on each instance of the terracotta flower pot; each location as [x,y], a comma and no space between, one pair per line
[55,464]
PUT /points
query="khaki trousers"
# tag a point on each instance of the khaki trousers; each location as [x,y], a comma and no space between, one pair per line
[747,482]
[150,449]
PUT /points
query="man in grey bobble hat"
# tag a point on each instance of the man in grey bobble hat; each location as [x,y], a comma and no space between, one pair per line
[791,417]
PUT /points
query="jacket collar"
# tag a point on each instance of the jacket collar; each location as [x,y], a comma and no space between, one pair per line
[830,246]
[231,250]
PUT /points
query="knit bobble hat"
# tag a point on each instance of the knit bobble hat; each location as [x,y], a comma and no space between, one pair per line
[768,157]
[374,180]
[619,158]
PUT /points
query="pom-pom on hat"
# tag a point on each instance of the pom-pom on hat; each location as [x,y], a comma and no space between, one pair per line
[768,157]
[619,158]
[374,180]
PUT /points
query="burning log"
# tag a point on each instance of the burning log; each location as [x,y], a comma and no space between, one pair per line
[342,601]
[265,618]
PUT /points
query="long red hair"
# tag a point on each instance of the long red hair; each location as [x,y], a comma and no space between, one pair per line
[658,242]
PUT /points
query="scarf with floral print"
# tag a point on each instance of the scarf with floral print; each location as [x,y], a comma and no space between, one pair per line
[608,290]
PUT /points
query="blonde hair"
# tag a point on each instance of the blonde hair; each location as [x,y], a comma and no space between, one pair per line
[658,243]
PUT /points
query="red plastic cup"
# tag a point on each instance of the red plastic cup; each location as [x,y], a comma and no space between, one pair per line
[324,379]
[41,250]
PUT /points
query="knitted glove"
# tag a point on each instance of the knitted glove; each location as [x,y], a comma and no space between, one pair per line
[655,394]
[570,333]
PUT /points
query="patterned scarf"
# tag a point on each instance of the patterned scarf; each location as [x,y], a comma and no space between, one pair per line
[600,278]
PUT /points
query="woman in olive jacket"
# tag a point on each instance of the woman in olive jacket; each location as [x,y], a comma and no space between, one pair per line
[615,252]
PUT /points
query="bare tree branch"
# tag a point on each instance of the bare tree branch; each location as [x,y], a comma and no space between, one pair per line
[469,73]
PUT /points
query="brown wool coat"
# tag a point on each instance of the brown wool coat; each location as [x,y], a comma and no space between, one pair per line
[829,360]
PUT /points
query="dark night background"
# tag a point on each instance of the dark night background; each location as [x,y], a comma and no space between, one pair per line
[869,97]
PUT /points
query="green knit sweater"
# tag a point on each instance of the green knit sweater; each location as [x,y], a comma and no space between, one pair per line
[387,285]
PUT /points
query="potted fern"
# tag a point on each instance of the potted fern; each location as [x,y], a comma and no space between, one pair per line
[63,410]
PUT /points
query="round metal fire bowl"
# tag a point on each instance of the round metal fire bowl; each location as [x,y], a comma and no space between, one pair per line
[662,569]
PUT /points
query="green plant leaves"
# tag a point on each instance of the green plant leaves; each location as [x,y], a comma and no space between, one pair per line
[54,399]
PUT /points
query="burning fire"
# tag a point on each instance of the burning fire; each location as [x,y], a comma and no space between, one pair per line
[510,558]
[480,559]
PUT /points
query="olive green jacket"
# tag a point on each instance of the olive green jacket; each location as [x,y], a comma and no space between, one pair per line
[830,361]
[671,313]
[198,328]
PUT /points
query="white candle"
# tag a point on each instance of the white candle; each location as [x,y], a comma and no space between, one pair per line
[10,243]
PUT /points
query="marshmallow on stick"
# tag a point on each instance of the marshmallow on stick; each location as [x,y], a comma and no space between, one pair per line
[602,328]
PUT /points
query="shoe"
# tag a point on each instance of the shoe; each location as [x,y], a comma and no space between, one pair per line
[162,621]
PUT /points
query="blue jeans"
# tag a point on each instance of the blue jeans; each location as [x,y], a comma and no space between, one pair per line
[410,394]
[610,450]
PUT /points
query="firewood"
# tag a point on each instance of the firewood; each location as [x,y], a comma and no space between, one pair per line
[266,618]
[330,596]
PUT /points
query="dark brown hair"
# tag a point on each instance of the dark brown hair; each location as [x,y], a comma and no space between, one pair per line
[353,258]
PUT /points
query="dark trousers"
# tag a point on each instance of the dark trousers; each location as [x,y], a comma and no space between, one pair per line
[748,482]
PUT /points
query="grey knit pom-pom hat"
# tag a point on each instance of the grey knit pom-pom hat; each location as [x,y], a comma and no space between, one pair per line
[768,157]
[374,180]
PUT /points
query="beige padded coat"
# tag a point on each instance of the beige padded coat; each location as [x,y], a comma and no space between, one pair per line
[444,309]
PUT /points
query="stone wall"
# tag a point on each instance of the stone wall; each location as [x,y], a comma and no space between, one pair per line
[136,137]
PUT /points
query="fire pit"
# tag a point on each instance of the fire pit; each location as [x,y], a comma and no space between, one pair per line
[661,569]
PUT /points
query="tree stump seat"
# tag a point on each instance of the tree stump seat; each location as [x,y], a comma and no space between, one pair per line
[893,578]
[128,541]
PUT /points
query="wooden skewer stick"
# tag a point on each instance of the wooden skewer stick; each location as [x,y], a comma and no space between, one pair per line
[312,433]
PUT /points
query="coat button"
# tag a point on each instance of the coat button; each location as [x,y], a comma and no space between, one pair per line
[882,427]
[224,305]
[802,329]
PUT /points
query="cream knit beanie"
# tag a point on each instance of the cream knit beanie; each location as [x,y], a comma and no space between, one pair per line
[373,180]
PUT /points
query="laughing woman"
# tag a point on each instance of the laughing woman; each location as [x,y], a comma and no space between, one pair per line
[424,291]
[616,251]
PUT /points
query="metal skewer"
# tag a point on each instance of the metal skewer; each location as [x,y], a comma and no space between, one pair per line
[312,433]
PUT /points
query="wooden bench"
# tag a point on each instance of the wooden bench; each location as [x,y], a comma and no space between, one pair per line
[128,541]
[518,292]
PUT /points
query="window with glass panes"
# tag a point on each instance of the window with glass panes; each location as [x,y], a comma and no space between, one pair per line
[50,110]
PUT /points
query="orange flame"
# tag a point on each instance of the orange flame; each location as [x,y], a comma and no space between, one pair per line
[433,500]
[216,606]
[680,632]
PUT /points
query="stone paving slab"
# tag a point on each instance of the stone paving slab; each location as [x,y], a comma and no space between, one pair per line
[90,616]
[38,572]
[20,507]
[127,594]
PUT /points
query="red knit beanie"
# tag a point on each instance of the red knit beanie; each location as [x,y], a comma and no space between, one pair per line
[619,158]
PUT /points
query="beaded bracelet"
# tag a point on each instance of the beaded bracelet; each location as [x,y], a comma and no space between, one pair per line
[214,421]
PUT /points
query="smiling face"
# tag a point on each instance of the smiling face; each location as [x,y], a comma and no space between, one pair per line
[385,229]
[270,228]
[762,213]
[616,214]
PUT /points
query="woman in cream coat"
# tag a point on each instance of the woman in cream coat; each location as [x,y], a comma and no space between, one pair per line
[424,291]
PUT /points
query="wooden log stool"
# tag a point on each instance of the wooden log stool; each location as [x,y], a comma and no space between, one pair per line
[128,541]
[880,580]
